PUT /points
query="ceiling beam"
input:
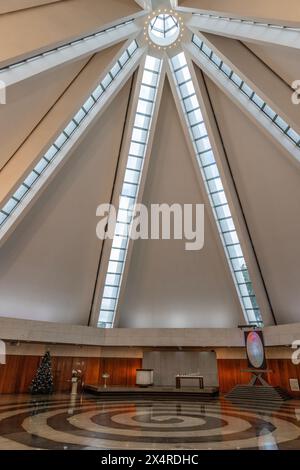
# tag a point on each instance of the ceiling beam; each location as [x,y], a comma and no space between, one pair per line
[144,4]
[14,76]
[248,107]
[118,190]
[229,189]
[244,30]
[261,78]
[37,30]
[269,11]
[65,152]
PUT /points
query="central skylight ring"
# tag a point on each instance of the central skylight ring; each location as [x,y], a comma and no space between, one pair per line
[164,29]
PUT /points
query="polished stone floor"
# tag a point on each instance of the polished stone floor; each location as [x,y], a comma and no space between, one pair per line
[60,422]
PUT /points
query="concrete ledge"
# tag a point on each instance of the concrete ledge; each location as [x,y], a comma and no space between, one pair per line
[59,333]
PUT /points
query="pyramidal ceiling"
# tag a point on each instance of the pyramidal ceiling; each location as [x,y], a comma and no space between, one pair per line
[153,102]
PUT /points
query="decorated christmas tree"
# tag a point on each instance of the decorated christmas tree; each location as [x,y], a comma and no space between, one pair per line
[43,380]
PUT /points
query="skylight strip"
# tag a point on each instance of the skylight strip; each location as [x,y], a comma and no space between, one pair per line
[129,192]
[72,127]
[64,46]
[247,22]
[244,88]
[215,189]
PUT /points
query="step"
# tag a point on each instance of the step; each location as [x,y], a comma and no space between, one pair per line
[267,393]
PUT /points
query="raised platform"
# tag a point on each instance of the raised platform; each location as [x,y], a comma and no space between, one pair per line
[169,393]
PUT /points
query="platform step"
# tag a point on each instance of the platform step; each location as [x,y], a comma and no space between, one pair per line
[152,393]
[263,393]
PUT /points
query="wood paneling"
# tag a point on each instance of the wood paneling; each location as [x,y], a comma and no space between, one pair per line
[9,374]
[27,368]
[282,370]
[92,371]
[62,373]
[18,372]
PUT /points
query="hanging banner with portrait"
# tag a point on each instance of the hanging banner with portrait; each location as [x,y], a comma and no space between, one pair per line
[255,349]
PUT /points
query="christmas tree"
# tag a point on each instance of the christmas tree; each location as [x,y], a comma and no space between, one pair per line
[43,380]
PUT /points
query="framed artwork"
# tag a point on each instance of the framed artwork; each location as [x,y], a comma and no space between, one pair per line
[255,349]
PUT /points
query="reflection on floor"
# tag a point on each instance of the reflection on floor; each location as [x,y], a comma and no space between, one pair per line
[86,422]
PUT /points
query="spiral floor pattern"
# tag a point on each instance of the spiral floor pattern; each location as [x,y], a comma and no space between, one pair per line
[59,422]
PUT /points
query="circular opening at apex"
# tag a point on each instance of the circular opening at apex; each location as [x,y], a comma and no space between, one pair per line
[164,29]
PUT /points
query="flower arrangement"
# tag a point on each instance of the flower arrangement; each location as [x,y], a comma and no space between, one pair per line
[76,374]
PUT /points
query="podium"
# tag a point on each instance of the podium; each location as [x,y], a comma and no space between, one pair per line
[144,377]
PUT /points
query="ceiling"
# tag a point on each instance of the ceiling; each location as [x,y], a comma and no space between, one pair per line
[61,52]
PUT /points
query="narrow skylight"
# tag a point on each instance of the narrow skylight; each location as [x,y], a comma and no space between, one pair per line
[128,197]
[215,189]
[30,180]
[244,88]
[64,46]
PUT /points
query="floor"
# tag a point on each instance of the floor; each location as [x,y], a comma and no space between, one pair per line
[60,422]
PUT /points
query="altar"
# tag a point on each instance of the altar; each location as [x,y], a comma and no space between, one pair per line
[181,377]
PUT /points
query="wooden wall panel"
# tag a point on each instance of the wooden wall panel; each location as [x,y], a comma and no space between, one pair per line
[16,375]
[92,371]
[282,371]
[132,365]
[26,372]
[122,371]
[9,374]
[62,373]
[230,374]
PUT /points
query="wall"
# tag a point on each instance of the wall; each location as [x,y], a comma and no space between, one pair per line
[232,361]
[167,364]
[18,372]
[48,266]
[267,182]
[284,61]
[223,366]
[33,331]
[20,116]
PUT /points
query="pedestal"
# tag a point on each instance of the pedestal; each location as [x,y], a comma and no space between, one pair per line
[144,377]
[74,387]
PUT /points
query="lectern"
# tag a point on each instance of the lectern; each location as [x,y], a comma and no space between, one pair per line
[144,377]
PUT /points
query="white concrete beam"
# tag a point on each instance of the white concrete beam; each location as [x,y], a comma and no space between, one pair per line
[242,101]
[269,11]
[274,91]
[13,329]
[145,4]
[33,68]
[232,197]
[246,31]
[117,191]
[68,149]
[142,184]
[229,188]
